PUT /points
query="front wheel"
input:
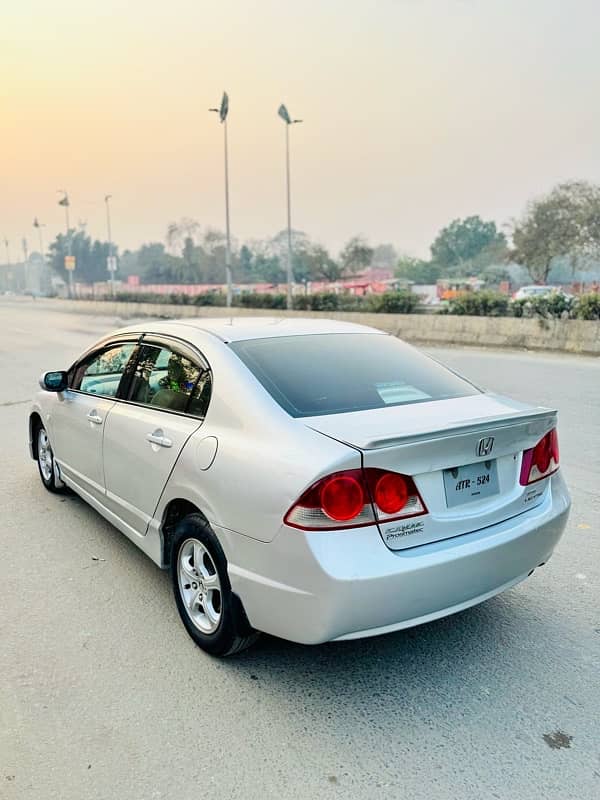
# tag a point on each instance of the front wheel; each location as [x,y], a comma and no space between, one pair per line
[212,614]
[45,461]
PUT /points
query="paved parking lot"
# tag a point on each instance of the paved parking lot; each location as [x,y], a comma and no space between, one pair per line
[103,695]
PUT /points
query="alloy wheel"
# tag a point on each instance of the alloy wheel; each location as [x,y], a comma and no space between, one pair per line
[199,586]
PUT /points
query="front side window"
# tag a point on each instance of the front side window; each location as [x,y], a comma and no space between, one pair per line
[102,372]
[166,379]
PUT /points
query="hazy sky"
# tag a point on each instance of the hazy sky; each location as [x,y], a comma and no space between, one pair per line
[415,112]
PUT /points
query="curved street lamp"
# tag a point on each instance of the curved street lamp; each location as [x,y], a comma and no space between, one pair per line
[222,111]
[64,201]
[285,116]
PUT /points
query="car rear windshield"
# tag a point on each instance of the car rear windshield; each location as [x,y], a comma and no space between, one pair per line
[323,374]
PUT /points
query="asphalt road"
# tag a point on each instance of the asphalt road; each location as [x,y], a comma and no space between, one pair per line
[103,695]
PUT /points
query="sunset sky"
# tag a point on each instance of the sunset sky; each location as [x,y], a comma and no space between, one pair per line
[415,112]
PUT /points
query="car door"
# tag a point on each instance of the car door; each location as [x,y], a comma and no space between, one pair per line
[146,432]
[78,416]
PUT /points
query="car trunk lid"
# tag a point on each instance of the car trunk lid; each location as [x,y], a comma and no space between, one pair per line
[445,446]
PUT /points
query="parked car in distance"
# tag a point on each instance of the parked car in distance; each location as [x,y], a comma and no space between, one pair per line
[311,479]
[531,292]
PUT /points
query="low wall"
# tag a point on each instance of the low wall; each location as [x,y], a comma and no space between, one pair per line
[571,336]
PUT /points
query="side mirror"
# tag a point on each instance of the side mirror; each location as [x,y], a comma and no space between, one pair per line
[56,381]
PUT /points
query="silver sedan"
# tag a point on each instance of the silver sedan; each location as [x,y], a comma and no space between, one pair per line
[315,480]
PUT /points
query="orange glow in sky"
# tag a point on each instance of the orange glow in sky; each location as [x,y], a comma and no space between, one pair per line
[415,112]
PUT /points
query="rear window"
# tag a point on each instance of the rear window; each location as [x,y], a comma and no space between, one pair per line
[334,373]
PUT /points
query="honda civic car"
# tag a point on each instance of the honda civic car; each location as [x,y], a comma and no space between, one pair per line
[314,480]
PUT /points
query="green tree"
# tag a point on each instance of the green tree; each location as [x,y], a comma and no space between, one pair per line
[417,270]
[244,264]
[268,269]
[458,244]
[157,266]
[384,256]
[90,257]
[563,224]
[213,263]
[319,265]
[356,255]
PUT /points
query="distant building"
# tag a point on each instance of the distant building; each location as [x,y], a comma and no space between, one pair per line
[26,277]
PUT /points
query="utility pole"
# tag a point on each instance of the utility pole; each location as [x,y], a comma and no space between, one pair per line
[222,112]
[284,114]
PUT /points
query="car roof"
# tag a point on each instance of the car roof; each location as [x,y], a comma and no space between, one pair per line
[235,329]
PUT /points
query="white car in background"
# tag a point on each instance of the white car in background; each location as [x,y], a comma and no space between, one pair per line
[530,292]
[315,480]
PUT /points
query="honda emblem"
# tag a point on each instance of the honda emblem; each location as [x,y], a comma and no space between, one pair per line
[484,448]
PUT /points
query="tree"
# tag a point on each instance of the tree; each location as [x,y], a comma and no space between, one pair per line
[152,263]
[417,270]
[214,244]
[178,232]
[317,264]
[90,257]
[356,255]
[463,240]
[384,256]
[245,264]
[564,223]
[278,245]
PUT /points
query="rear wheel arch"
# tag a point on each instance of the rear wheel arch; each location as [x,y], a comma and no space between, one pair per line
[35,423]
[176,510]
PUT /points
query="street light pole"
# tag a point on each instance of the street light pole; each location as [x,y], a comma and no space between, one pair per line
[39,225]
[64,201]
[284,114]
[110,263]
[222,112]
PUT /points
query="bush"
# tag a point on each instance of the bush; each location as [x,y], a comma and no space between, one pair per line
[321,301]
[552,306]
[402,301]
[141,297]
[210,299]
[251,300]
[587,306]
[329,301]
[480,304]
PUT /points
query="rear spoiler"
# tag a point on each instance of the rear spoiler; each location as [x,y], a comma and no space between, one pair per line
[505,420]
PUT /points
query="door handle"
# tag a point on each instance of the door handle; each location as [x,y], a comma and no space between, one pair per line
[159,439]
[93,417]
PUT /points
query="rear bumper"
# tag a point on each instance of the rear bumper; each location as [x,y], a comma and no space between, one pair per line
[316,587]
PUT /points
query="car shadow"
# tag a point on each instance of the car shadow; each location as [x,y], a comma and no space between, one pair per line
[476,652]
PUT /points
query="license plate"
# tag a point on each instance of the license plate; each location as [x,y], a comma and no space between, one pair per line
[470,482]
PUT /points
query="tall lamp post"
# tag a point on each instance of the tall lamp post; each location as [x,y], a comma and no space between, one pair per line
[39,225]
[111,261]
[284,114]
[69,261]
[222,112]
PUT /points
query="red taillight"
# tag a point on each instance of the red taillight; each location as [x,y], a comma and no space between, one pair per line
[356,497]
[342,497]
[391,493]
[540,461]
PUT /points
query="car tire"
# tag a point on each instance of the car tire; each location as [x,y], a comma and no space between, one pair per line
[45,461]
[211,613]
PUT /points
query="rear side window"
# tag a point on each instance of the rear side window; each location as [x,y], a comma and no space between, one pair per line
[336,373]
[166,379]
